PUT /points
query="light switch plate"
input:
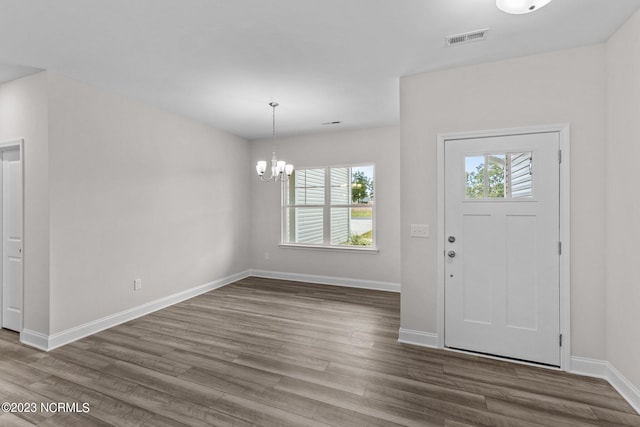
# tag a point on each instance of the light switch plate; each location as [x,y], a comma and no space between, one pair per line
[419,230]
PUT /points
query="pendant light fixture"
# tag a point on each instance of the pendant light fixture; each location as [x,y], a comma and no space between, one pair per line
[519,7]
[280,170]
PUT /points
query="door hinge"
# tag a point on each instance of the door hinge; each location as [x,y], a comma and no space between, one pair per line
[559,248]
[559,156]
[560,340]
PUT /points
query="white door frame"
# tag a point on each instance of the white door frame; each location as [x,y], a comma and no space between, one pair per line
[11,145]
[565,225]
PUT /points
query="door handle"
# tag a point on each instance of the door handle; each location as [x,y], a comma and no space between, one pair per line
[452,254]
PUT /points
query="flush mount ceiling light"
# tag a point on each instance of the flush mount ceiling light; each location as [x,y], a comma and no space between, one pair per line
[280,170]
[519,7]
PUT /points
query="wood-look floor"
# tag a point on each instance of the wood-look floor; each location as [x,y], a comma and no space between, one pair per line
[273,353]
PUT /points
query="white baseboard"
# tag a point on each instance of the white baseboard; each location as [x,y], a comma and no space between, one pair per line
[46,343]
[629,391]
[588,367]
[423,339]
[604,369]
[34,339]
[328,280]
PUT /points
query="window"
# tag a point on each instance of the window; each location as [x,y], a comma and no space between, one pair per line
[330,206]
[499,176]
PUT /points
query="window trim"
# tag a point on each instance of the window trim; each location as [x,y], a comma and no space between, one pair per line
[326,208]
[345,248]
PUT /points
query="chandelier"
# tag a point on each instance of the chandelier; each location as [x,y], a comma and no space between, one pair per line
[280,170]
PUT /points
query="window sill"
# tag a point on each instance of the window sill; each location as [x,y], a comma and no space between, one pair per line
[353,249]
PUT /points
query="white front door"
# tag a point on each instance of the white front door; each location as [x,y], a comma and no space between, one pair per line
[11,239]
[502,268]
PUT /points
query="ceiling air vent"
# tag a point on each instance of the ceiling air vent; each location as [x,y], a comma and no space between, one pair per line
[472,36]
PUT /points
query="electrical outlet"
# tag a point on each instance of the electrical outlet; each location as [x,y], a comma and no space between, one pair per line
[266,255]
[137,284]
[419,230]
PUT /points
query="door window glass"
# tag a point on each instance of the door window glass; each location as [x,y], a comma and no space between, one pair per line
[493,176]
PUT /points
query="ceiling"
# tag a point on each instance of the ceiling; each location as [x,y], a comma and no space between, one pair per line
[222,61]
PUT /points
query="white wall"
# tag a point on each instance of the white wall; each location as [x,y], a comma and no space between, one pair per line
[138,193]
[379,146]
[24,115]
[623,200]
[565,86]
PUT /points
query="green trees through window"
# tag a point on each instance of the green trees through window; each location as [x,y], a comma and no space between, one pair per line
[361,187]
[476,179]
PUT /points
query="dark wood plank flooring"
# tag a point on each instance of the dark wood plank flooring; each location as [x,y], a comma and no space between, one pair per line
[274,353]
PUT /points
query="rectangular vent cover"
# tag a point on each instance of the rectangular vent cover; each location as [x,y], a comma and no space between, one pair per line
[472,36]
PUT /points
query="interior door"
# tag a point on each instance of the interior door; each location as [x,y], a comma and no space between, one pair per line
[502,268]
[11,240]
